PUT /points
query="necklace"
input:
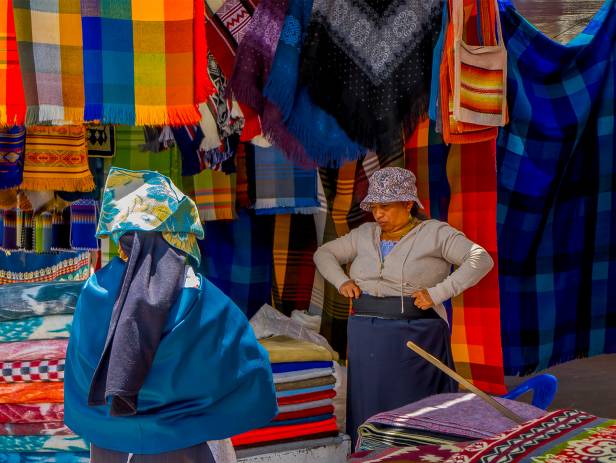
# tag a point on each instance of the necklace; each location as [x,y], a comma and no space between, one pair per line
[397,235]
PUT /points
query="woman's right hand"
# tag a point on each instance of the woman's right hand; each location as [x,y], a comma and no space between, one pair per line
[350,290]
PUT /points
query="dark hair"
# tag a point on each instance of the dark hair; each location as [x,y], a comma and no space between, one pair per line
[418,213]
[414,210]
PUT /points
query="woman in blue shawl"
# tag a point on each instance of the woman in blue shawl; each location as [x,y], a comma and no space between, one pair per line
[160,361]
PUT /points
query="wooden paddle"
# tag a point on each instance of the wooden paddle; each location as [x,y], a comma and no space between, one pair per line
[464,382]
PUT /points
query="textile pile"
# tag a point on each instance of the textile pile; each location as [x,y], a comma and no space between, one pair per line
[35,322]
[304,377]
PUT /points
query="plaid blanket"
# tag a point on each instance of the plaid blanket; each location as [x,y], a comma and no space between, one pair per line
[556,165]
[214,194]
[12,142]
[32,371]
[238,259]
[51,57]
[12,100]
[281,187]
[295,242]
[144,64]
[560,436]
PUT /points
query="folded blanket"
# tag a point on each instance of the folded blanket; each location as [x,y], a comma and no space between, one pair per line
[46,457]
[299,366]
[283,349]
[34,371]
[22,267]
[307,390]
[304,420]
[305,384]
[47,349]
[436,453]
[304,398]
[31,413]
[305,406]
[375,436]
[30,329]
[35,299]
[12,100]
[315,411]
[71,443]
[51,428]
[282,433]
[31,393]
[303,374]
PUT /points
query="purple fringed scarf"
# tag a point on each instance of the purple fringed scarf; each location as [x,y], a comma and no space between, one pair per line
[253,62]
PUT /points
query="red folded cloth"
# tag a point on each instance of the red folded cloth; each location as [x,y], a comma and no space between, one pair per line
[326,410]
[281,433]
[53,428]
[310,397]
[31,413]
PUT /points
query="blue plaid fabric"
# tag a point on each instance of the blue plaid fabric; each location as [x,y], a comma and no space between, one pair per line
[556,193]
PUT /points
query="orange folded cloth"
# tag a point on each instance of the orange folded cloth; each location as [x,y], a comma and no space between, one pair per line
[30,393]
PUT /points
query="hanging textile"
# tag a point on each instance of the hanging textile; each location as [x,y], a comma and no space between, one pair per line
[56,158]
[23,267]
[61,229]
[214,194]
[281,187]
[295,242]
[188,139]
[556,165]
[42,232]
[227,122]
[323,139]
[369,65]
[238,259]
[144,64]
[12,100]
[9,229]
[51,57]
[12,142]
[84,218]
[101,141]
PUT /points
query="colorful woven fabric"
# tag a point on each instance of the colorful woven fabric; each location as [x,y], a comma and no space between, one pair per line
[12,142]
[56,158]
[23,267]
[560,436]
[52,428]
[457,185]
[238,259]
[556,162]
[101,141]
[83,225]
[9,230]
[421,453]
[281,187]
[144,64]
[44,457]
[25,230]
[32,371]
[43,232]
[72,443]
[149,201]
[61,230]
[12,99]
[32,329]
[31,413]
[213,193]
[295,242]
[323,139]
[31,393]
[283,433]
[24,351]
[51,57]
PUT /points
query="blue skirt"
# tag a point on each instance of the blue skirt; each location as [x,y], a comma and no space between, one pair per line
[384,374]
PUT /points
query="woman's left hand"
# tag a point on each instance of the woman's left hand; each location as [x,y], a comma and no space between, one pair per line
[423,299]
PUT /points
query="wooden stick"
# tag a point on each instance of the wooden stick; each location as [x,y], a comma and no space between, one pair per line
[464,382]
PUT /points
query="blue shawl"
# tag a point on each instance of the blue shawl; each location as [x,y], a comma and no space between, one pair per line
[210,379]
[323,139]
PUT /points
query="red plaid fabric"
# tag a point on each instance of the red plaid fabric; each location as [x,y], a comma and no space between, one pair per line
[26,372]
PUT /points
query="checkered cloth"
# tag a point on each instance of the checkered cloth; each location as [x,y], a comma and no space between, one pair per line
[34,371]
[556,194]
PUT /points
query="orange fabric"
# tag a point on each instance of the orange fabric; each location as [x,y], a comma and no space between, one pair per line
[32,393]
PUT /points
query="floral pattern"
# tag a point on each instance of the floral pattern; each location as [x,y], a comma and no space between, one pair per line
[149,201]
[390,185]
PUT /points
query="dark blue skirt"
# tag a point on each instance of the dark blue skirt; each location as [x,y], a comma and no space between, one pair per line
[384,374]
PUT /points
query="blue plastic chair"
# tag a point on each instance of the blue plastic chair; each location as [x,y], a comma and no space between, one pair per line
[544,389]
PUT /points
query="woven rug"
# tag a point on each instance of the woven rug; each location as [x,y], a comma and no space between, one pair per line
[51,61]
[12,99]
[214,194]
[144,64]
[56,158]
[12,143]
[556,165]
[101,141]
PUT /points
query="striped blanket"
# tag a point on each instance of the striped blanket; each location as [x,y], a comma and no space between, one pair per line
[12,100]
[144,63]
[51,57]
[556,191]
[214,194]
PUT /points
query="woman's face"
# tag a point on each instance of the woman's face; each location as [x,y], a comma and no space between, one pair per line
[392,216]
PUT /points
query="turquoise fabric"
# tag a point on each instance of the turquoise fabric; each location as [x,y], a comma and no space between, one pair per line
[210,378]
[148,201]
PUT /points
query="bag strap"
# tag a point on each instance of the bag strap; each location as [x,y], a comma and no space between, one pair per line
[499,29]
[458,21]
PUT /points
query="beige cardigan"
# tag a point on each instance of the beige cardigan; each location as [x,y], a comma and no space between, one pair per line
[421,260]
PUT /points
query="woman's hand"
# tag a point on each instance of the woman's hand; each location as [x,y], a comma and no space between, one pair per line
[350,290]
[423,299]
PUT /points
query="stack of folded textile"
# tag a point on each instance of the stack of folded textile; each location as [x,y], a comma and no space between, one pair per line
[35,321]
[304,378]
[442,419]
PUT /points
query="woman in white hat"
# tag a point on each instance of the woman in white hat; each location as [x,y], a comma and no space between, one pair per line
[399,277]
